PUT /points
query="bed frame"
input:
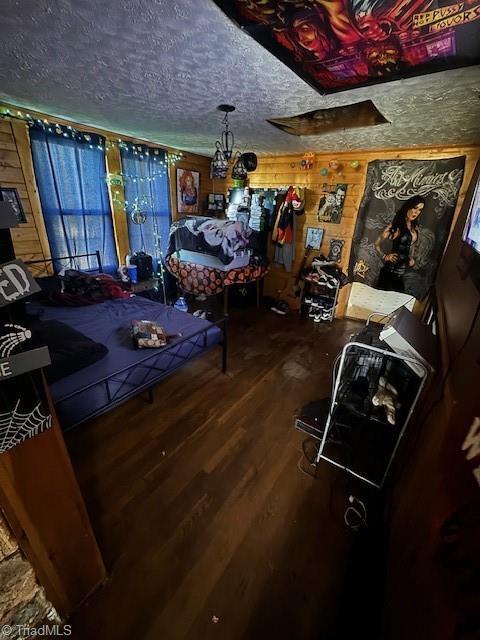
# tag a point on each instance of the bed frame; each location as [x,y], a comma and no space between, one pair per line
[123,389]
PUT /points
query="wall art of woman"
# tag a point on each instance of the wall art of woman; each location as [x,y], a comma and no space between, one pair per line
[402,233]
[188,193]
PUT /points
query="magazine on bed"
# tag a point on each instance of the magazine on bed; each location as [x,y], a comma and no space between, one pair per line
[147,334]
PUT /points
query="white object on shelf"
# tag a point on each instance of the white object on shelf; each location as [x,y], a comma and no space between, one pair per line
[408,336]
[241,259]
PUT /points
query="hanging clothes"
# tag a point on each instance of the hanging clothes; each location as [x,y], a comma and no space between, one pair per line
[283,235]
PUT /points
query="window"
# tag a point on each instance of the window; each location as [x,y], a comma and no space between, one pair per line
[147,199]
[71,178]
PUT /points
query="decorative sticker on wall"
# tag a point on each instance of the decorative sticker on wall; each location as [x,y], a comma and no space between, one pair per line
[339,44]
[336,248]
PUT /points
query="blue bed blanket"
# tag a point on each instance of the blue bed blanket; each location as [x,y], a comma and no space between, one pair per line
[85,393]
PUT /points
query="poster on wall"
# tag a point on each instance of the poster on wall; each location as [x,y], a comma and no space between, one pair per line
[339,44]
[403,223]
[188,189]
[330,207]
[314,238]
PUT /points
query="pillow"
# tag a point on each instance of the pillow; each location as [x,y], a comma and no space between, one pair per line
[69,349]
[49,285]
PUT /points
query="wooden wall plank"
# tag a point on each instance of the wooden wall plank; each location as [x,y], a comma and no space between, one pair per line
[11,174]
[114,165]
[29,187]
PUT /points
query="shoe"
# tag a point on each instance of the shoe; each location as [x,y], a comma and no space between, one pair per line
[320,262]
[281,308]
[317,317]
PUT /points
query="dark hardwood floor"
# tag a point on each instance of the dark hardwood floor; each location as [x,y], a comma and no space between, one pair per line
[198,504]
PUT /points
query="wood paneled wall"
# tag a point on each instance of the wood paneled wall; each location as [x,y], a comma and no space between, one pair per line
[16,170]
[285,170]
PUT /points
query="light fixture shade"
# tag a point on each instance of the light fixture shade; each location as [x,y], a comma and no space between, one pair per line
[249,161]
[219,164]
[239,172]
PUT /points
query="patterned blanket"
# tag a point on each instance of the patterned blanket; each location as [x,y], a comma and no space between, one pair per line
[219,238]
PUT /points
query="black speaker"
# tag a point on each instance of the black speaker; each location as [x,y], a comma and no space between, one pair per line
[144,264]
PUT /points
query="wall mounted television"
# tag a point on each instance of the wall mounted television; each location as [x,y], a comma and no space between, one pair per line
[469,262]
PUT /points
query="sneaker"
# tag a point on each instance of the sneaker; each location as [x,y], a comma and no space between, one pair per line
[281,308]
[318,317]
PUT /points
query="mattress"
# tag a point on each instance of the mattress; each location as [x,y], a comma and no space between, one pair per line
[125,370]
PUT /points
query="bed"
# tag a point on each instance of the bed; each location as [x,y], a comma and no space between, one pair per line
[125,371]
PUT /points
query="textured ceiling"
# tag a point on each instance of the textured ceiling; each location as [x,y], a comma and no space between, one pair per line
[157,69]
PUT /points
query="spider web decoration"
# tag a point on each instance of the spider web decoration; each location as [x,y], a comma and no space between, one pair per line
[16,427]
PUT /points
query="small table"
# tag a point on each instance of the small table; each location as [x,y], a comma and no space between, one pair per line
[144,285]
[197,278]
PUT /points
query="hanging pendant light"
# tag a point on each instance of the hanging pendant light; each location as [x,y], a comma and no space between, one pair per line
[242,162]
[218,165]
[239,171]
[227,139]
[224,146]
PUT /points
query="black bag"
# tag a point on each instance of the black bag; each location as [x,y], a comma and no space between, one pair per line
[144,264]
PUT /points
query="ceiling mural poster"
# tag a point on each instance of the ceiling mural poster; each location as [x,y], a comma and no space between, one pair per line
[340,44]
[403,223]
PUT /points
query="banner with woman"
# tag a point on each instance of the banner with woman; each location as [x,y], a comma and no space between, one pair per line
[403,223]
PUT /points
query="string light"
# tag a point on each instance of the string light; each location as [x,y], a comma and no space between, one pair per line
[163,158]
[67,131]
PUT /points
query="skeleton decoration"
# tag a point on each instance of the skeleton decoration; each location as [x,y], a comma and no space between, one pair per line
[15,427]
[9,341]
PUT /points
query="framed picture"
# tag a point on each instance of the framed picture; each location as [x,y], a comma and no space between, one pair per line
[216,202]
[330,207]
[314,238]
[188,190]
[11,195]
